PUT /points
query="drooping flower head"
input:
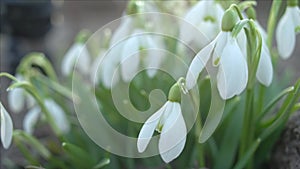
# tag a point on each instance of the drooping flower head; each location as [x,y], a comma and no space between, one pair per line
[206,16]
[264,73]
[287,29]
[18,97]
[77,50]
[55,111]
[127,42]
[169,122]
[6,127]
[226,54]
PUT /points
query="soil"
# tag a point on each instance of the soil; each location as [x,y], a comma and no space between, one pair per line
[286,153]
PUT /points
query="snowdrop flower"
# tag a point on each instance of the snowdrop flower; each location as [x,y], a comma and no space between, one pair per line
[31,118]
[232,74]
[78,50]
[6,127]
[169,122]
[286,29]
[264,73]
[127,54]
[111,60]
[18,96]
[131,58]
[58,115]
[206,16]
[95,73]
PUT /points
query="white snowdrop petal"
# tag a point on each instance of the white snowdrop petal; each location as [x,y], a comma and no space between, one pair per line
[69,59]
[233,71]
[16,100]
[31,119]
[30,101]
[242,42]
[219,14]
[295,12]
[209,29]
[148,129]
[264,72]
[165,115]
[173,135]
[58,115]
[83,61]
[221,41]
[285,35]
[192,17]
[130,58]
[198,64]
[261,30]
[109,72]
[109,75]
[6,127]
[154,58]
[96,69]
[106,75]
[122,31]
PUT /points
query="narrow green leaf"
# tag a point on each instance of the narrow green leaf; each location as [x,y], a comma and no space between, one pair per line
[214,115]
[230,138]
[274,102]
[102,163]
[58,88]
[33,142]
[4,74]
[296,107]
[242,163]
[239,26]
[34,167]
[283,113]
[78,156]
[37,59]
[26,153]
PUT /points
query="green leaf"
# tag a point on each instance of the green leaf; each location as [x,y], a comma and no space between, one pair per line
[214,115]
[283,113]
[37,59]
[230,139]
[102,163]
[242,163]
[57,88]
[33,142]
[78,156]
[273,102]
[34,167]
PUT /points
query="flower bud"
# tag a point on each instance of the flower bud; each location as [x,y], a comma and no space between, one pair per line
[134,7]
[292,3]
[82,36]
[175,93]
[229,20]
[251,13]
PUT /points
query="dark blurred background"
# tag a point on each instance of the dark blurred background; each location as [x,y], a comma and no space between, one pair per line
[50,27]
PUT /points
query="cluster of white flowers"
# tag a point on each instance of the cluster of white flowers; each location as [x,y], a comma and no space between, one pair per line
[288,27]
[77,55]
[230,57]
[16,99]
[227,53]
